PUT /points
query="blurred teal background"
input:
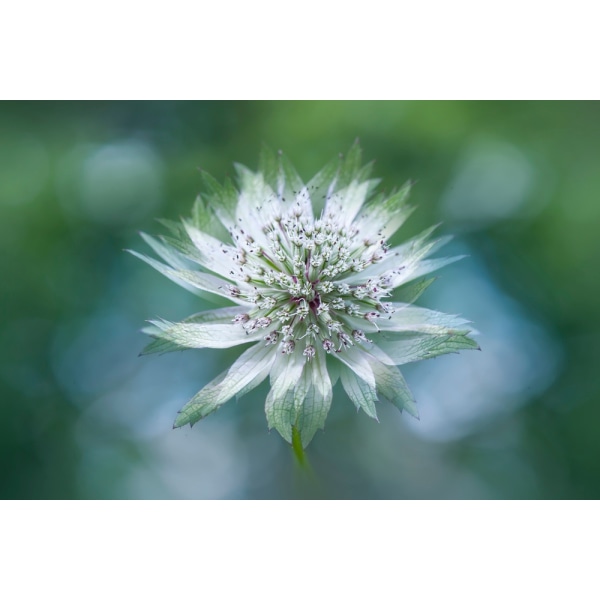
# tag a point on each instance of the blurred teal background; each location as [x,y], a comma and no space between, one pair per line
[82,416]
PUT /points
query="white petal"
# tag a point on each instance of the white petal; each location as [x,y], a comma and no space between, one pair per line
[219,315]
[213,254]
[410,318]
[289,183]
[206,335]
[404,257]
[302,387]
[317,400]
[421,268]
[171,256]
[279,406]
[344,205]
[313,414]
[286,371]
[415,348]
[259,376]
[322,185]
[193,281]
[392,387]
[257,206]
[300,202]
[385,215]
[221,389]
[281,413]
[356,361]
[321,379]
[374,350]
[361,393]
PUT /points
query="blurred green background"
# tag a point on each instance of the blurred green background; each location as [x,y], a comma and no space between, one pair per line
[82,416]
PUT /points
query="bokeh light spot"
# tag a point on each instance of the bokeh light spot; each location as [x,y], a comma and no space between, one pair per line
[113,184]
[493,182]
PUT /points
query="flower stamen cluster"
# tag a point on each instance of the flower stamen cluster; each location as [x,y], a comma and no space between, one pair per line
[297,280]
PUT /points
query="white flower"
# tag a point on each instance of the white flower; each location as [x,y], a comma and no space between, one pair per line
[318,293]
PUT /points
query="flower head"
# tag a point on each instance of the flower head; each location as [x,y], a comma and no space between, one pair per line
[318,293]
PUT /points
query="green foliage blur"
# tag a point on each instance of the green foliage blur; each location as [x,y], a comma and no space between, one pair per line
[82,416]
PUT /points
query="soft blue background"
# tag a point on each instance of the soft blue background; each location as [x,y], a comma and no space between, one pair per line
[81,416]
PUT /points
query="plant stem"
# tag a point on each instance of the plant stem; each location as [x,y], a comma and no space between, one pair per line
[306,483]
[298,449]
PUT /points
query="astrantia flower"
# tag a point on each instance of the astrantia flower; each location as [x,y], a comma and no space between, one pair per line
[318,292]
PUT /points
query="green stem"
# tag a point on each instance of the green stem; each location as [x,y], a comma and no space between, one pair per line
[305,481]
[298,449]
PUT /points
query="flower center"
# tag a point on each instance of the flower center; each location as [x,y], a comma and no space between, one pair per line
[298,274]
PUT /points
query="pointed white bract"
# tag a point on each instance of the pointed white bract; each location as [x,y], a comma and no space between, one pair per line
[319,292]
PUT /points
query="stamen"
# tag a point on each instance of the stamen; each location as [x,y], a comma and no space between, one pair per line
[271,338]
[345,340]
[288,347]
[263,322]
[359,336]
[328,345]
[250,325]
[241,318]
[309,352]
